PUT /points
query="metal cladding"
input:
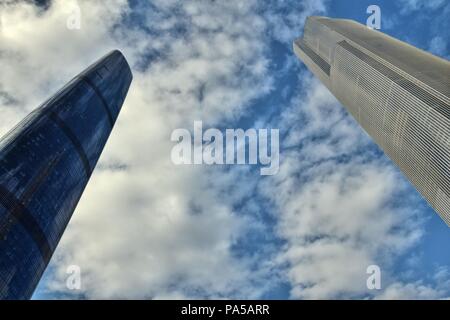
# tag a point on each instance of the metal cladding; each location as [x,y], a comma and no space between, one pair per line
[399,94]
[45,164]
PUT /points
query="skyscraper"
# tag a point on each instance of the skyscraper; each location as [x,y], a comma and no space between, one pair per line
[399,94]
[45,164]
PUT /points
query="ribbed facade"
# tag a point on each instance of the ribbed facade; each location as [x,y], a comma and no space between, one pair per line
[45,164]
[399,94]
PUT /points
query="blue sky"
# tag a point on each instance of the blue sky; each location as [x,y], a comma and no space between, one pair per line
[158,231]
[416,24]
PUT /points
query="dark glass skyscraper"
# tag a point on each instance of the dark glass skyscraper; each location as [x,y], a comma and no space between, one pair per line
[45,164]
[398,93]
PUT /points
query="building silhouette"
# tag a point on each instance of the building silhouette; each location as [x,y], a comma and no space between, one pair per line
[45,164]
[399,94]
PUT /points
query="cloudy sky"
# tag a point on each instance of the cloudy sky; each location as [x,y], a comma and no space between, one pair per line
[146,228]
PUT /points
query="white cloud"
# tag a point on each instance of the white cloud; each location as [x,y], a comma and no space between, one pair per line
[286,19]
[152,229]
[408,291]
[438,289]
[38,53]
[438,46]
[335,202]
[414,5]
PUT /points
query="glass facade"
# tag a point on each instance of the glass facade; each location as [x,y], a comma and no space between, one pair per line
[399,94]
[45,164]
